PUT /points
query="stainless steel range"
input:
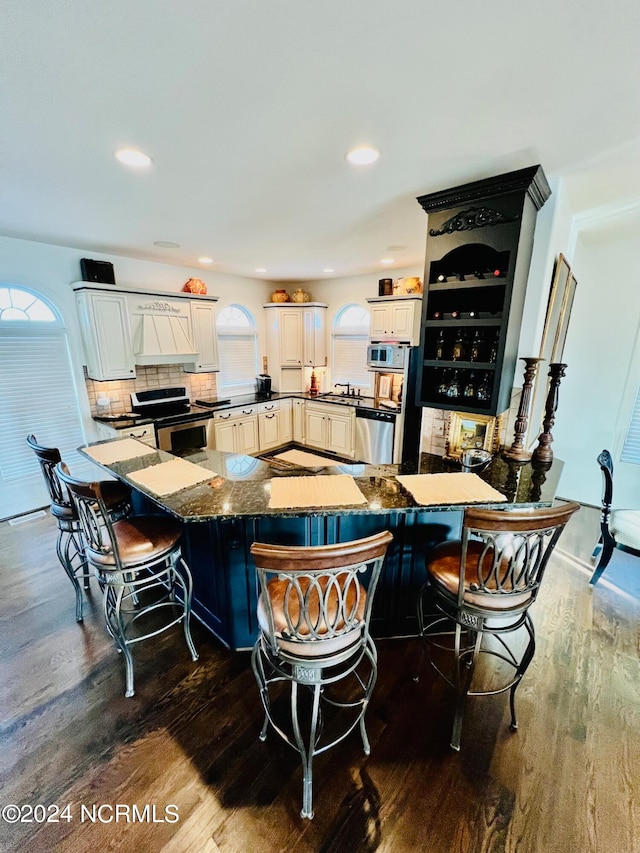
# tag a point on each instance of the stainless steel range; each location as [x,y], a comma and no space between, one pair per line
[180,427]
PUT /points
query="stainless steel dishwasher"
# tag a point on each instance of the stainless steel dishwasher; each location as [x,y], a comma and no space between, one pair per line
[374,436]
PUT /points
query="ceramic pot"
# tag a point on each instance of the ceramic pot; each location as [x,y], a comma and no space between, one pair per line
[195,285]
[300,296]
[280,296]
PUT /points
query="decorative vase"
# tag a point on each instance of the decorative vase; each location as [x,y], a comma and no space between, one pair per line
[280,296]
[300,296]
[195,285]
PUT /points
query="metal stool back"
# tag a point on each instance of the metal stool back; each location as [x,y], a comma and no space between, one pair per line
[314,614]
[483,586]
[139,565]
[619,528]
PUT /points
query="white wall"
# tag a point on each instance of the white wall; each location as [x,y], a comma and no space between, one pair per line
[593,410]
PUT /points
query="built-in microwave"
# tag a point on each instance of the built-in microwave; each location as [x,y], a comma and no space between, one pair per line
[387,356]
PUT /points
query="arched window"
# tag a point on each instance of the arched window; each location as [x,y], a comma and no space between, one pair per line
[349,346]
[38,396]
[238,347]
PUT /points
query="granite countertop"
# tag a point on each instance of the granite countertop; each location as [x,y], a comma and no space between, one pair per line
[240,485]
[369,403]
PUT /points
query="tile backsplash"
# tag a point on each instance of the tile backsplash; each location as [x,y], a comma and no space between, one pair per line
[157,376]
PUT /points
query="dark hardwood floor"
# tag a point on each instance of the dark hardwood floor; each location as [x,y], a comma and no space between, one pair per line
[567,782]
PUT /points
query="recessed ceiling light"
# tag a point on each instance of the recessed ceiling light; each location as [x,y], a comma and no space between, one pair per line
[387,261]
[395,249]
[328,269]
[132,157]
[362,156]
[261,269]
[205,260]
[166,244]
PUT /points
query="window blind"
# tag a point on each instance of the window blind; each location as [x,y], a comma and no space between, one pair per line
[631,447]
[349,360]
[238,360]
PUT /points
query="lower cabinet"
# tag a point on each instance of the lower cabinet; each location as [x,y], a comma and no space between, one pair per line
[144,433]
[235,431]
[297,420]
[330,428]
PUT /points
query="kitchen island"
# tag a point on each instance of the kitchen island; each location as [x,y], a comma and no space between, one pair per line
[230,509]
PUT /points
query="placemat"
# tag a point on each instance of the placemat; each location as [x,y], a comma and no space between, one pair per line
[304,459]
[338,490]
[118,451]
[168,477]
[457,488]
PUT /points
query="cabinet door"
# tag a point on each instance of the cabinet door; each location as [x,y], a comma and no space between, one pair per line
[104,319]
[380,321]
[247,435]
[224,433]
[286,420]
[290,337]
[402,316]
[315,424]
[298,420]
[315,350]
[203,318]
[269,430]
[340,434]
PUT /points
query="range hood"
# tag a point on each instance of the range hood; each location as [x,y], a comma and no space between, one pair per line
[163,339]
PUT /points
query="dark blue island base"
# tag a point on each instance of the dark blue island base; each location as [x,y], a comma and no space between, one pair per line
[223,516]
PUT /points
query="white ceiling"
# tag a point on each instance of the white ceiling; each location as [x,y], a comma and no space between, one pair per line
[248,107]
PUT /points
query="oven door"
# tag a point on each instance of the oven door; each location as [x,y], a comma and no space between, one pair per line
[182,439]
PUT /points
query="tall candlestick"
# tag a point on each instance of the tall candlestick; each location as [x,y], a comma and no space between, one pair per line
[543,452]
[517,450]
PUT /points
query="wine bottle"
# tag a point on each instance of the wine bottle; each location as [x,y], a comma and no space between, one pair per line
[440,345]
[459,352]
[441,390]
[453,388]
[493,353]
[483,392]
[477,346]
[470,388]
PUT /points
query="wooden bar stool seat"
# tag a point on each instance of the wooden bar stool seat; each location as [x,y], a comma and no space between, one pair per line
[481,588]
[314,612]
[139,564]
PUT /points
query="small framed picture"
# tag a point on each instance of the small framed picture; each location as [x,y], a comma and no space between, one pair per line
[467,432]
[384,387]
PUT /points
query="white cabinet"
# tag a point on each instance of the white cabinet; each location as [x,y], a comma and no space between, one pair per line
[106,334]
[286,420]
[298,416]
[145,433]
[123,328]
[395,318]
[295,343]
[234,430]
[205,340]
[330,428]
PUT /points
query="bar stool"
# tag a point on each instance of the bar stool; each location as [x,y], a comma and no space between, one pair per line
[138,562]
[69,545]
[482,587]
[314,616]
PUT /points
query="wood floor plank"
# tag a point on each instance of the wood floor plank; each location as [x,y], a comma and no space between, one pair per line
[567,782]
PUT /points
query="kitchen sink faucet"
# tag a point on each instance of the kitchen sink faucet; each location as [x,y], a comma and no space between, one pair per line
[346,385]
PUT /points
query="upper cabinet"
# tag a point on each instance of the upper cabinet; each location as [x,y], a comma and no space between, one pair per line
[205,338]
[479,245]
[395,318]
[296,339]
[123,328]
[106,334]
